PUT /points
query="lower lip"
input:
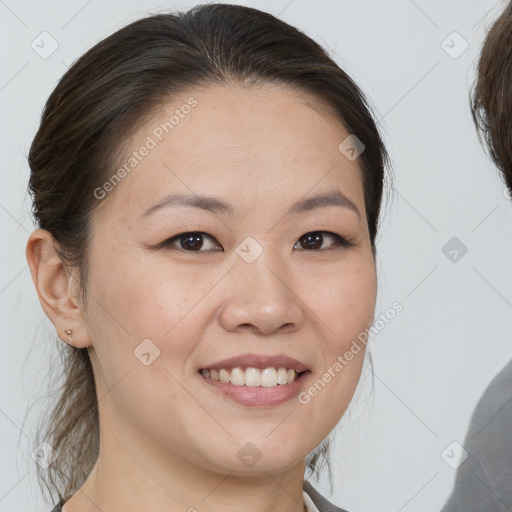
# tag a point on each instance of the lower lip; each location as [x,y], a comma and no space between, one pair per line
[258,395]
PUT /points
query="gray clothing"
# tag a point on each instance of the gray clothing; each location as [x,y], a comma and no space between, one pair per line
[484,480]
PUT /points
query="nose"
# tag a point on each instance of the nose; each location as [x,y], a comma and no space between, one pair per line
[260,298]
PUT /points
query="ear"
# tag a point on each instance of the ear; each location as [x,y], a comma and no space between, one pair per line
[56,288]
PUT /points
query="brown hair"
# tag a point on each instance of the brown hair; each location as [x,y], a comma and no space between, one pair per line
[102,100]
[491,95]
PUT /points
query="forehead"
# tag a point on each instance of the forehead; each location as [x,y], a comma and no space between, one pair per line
[269,142]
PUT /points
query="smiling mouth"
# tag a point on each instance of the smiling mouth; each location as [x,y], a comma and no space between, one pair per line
[253,377]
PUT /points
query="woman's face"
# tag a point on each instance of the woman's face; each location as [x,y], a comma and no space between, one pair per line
[247,281]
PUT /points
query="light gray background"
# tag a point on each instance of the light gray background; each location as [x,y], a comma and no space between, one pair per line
[435,359]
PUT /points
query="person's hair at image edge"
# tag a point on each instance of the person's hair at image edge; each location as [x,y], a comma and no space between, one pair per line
[104,97]
[491,94]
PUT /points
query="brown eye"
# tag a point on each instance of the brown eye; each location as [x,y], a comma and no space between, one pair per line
[315,239]
[189,242]
[197,241]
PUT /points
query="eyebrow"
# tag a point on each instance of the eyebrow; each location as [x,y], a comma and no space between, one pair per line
[215,205]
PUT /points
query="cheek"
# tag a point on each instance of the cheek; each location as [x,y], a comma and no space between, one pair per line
[343,300]
[143,314]
[344,305]
[130,303]
[146,299]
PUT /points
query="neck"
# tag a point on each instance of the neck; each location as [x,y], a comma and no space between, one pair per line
[133,476]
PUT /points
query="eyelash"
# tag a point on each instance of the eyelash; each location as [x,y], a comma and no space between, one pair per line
[340,242]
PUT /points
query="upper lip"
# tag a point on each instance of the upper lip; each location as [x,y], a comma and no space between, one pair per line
[259,361]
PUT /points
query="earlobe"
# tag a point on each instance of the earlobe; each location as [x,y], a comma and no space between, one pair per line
[54,285]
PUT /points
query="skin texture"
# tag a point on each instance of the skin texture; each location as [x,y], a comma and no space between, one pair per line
[168,442]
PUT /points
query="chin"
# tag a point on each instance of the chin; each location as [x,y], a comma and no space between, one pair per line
[257,458]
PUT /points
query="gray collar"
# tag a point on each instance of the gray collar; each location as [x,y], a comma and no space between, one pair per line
[322,503]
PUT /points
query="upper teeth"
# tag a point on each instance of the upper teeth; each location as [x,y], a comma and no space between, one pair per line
[252,376]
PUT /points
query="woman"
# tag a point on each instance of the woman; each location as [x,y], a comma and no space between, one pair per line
[207,187]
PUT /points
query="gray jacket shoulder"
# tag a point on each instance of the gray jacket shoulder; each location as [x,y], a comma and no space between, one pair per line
[483,479]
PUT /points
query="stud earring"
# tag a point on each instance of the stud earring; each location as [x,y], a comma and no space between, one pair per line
[69,333]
